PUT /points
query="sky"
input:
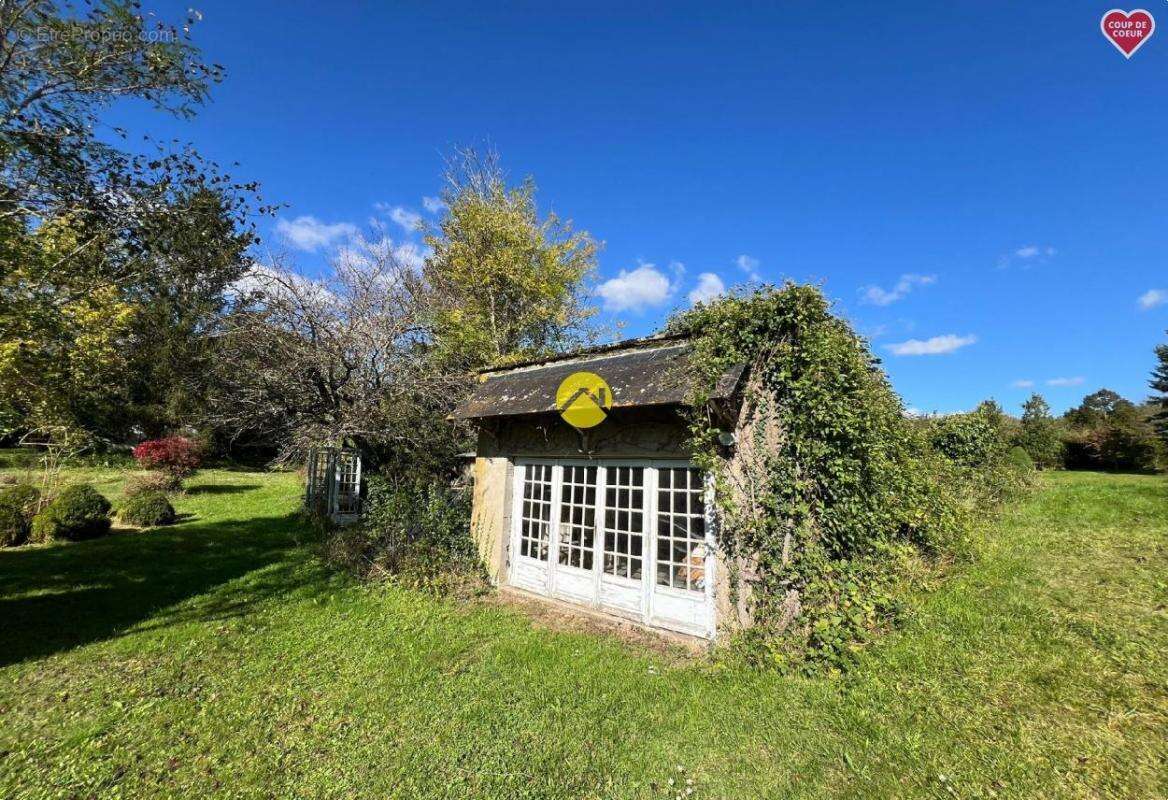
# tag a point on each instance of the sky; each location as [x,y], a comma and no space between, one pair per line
[980,187]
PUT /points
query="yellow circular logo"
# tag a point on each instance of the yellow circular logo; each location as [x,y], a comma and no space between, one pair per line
[583,398]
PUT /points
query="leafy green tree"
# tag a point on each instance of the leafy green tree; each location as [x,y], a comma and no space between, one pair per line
[1040,436]
[1006,428]
[1159,383]
[58,70]
[1095,408]
[1126,441]
[508,284]
[197,251]
[1110,432]
[88,232]
[63,353]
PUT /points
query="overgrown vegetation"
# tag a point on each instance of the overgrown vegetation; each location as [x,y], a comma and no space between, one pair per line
[831,494]
[414,533]
[1109,432]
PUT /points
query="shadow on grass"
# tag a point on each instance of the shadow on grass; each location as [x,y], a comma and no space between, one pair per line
[62,596]
[223,488]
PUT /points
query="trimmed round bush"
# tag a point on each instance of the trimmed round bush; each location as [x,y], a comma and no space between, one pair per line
[17,507]
[79,512]
[148,509]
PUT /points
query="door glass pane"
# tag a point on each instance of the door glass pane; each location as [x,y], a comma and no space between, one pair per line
[577,516]
[681,529]
[624,522]
[536,515]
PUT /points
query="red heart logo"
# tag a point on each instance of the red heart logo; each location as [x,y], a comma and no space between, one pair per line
[1128,30]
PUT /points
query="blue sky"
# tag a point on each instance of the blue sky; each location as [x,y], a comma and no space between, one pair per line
[980,186]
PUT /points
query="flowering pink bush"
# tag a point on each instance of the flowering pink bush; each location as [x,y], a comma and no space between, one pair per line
[177,456]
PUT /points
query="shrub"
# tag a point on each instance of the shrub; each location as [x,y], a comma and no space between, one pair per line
[976,447]
[177,456]
[18,506]
[1020,459]
[968,440]
[79,512]
[148,509]
[417,533]
[148,483]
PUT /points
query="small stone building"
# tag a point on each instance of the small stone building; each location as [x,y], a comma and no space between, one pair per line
[614,518]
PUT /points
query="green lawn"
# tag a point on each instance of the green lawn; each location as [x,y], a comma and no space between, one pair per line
[219,658]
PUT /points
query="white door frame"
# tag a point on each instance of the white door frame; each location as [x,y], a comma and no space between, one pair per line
[656,600]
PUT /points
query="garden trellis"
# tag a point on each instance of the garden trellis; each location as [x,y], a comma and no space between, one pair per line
[334,483]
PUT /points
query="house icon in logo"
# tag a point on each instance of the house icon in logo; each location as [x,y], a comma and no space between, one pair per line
[583,400]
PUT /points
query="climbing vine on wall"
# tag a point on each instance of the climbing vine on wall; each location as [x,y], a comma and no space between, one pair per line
[830,493]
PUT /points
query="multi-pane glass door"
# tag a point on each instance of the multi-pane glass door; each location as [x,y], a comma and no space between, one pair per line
[629,538]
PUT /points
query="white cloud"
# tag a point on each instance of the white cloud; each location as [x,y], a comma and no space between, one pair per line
[262,281]
[749,265]
[1028,254]
[360,252]
[709,286]
[1022,384]
[433,204]
[1153,298]
[938,345]
[644,287]
[1076,381]
[884,297]
[409,253]
[309,234]
[406,219]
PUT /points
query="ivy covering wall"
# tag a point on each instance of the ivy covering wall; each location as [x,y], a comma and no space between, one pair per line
[830,494]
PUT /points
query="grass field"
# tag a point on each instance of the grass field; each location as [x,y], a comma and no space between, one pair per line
[219,658]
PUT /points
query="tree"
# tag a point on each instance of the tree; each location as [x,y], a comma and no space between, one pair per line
[58,70]
[88,232]
[1039,436]
[1095,408]
[507,284]
[1006,428]
[378,352]
[1159,383]
[198,253]
[1126,441]
[346,359]
[63,353]
[1110,432]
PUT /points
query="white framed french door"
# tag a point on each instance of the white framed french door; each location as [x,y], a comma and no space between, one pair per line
[532,527]
[629,537]
[573,562]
